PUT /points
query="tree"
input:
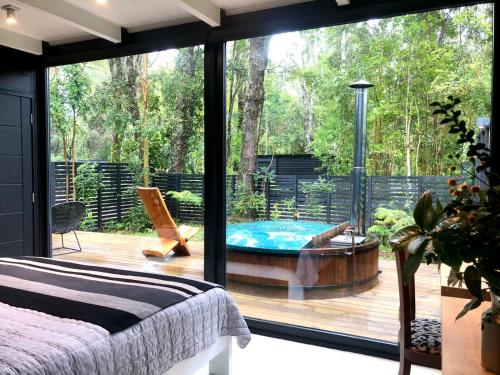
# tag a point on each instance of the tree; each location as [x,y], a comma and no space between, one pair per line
[187,91]
[125,73]
[74,93]
[237,68]
[59,120]
[144,121]
[254,100]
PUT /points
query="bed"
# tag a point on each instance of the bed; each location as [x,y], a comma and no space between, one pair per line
[177,339]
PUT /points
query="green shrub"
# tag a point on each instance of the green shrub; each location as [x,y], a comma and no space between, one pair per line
[275,213]
[387,222]
[186,197]
[136,220]
[315,193]
[88,181]
[246,203]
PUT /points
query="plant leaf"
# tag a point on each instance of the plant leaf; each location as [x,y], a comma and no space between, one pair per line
[424,210]
[472,280]
[454,276]
[439,208]
[410,229]
[471,305]
[439,111]
[414,261]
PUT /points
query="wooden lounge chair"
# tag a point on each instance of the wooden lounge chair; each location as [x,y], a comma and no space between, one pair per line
[170,236]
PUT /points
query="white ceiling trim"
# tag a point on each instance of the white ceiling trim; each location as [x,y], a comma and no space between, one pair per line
[20,42]
[76,17]
[204,10]
[341,3]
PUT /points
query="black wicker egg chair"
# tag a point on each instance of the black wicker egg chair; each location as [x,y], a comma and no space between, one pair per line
[67,217]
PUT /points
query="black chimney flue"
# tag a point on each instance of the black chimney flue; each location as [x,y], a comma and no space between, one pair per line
[358,204]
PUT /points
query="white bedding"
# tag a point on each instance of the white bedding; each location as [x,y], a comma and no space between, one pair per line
[36,343]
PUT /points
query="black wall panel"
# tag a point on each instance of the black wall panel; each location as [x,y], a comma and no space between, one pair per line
[16,170]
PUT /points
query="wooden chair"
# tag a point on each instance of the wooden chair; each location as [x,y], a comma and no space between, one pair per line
[419,339]
[170,236]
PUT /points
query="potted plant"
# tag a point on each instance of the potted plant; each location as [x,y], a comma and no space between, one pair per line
[465,231]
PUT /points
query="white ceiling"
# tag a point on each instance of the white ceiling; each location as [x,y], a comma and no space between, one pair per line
[40,26]
[133,15]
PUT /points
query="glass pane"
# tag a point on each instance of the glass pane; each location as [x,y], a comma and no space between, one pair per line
[291,119]
[122,123]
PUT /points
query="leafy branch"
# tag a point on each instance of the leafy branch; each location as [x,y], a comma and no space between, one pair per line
[466,229]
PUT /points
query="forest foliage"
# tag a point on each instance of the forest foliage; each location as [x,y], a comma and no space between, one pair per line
[149,114]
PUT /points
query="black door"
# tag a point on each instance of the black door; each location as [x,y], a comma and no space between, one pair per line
[16,185]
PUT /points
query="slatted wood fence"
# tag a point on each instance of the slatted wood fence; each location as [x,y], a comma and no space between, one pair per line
[113,200]
[284,194]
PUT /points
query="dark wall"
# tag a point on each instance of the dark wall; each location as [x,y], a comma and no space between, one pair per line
[19,82]
[16,169]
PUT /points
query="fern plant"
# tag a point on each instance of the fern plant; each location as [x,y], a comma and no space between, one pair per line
[389,221]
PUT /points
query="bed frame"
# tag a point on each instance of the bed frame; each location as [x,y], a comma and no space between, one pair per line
[218,355]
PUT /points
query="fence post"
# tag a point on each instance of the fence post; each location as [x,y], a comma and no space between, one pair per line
[267,186]
[99,201]
[329,204]
[119,191]
[178,188]
[296,194]
[368,207]
[52,184]
[166,185]
[203,198]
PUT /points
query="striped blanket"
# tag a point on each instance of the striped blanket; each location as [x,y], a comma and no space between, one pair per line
[111,298]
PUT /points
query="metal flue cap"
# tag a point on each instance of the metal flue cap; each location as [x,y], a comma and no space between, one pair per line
[361,84]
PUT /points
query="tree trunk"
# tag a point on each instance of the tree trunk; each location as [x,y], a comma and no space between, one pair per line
[116,147]
[132,68]
[65,153]
[408,125]
[377,141]
[144,122]
[254,100]
[125,72]
[186,105]
[73,155]
[308,116]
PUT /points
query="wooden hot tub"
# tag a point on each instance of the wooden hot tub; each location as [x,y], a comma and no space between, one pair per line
[322,272]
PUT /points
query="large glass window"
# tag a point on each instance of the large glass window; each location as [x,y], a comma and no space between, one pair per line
[116,125]
[290,157]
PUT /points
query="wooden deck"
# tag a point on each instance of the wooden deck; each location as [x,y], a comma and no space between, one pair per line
[372,314]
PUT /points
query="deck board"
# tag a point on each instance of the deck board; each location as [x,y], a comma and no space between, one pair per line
[372,314]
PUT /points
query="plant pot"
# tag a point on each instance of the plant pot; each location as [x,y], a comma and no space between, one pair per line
[490,341]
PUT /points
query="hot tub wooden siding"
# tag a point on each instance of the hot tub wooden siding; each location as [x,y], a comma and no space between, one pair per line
[319,273]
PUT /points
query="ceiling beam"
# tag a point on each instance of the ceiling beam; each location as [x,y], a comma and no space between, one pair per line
[341,3]
[204,10]
[76,17]
[20,42]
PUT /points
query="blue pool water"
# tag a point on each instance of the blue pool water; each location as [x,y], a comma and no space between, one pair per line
[279,237]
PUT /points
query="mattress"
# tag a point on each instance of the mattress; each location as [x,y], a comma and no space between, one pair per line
[36,343]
